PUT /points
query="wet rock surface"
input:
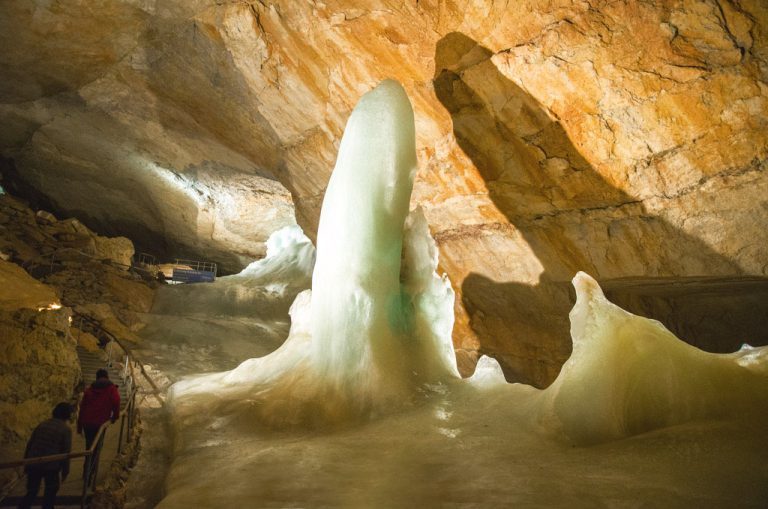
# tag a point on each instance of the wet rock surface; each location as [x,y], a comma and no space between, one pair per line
[626,139]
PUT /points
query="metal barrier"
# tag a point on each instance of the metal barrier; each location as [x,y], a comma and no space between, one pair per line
[188,271]
[145,259]
[127,423]
[51,264]
[193,271]
[193,276]
[90,469]
[132,362]
[198,265]
[129,415]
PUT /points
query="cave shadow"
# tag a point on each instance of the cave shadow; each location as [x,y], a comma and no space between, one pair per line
[569,215]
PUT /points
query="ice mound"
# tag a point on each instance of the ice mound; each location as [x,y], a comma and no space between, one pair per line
[258,290]
[377,323]
[290,256]
[628,374]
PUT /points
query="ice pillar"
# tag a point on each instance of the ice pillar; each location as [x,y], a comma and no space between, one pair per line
[357,316]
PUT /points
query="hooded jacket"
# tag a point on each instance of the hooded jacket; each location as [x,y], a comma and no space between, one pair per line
[101,402]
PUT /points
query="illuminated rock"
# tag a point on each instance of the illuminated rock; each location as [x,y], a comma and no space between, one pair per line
[362,405]
[622,139]
[38,363]
[20,290]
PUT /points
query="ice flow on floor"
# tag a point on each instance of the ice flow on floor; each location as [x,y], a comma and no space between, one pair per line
[362,406]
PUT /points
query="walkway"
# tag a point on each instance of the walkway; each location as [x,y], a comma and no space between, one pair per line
[71,490]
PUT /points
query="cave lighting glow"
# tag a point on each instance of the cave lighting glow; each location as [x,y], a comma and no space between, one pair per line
[362,405]
[195,191]
[50,307]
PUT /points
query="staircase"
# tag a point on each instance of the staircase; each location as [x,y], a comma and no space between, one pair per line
[90,362]
[75,491]
[72,492]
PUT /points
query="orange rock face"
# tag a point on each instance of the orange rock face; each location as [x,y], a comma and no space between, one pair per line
[625,139]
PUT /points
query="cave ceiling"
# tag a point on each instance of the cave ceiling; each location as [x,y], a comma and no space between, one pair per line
[622,138]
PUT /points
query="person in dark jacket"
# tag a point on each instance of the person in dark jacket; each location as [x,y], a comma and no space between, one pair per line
[101,403]
[50,437]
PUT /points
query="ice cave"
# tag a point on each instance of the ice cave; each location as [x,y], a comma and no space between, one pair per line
[384,254]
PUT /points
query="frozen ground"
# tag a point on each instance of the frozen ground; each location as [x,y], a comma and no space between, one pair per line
[361,405]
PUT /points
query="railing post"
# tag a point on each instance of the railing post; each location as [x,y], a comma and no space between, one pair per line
[86,476]
[109,348]
[120,438]
[129,410]
[96,459]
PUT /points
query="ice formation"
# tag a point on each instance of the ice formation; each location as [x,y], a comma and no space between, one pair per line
[286,267]
[372,339]
[377,323]
[210,327]
[628,374]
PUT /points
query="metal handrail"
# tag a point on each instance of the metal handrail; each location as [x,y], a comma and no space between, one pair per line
[92,256]
[145,259]
[195,264]
[198,265]
[89,472]
[94,323]
[128,416]
[56,457]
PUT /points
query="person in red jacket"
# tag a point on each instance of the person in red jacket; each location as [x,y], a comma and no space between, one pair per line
[101,403]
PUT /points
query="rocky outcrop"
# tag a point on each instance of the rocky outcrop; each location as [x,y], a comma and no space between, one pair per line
[21,291]
[30,237]
[83,267]
[38,362]
[621,138]
[85,298]
[117,249]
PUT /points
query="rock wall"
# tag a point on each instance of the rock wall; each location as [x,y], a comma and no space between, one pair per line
[38,361]
[38,238]
[623,138]
[79,274]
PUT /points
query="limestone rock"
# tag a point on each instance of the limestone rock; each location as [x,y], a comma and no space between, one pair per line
[104,314]
[86,340]
[117,249]
[626,139]
[19,290]
[45,217]
[130,294]
[38,368]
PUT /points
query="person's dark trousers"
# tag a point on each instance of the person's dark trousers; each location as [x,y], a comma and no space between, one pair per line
[90,435]
[34,477]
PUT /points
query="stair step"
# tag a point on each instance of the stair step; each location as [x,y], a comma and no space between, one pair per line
[91,362]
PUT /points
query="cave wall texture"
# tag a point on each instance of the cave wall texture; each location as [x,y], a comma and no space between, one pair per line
[624,138]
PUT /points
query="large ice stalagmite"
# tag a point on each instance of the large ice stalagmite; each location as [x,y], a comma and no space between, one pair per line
[362,325]
[377,323]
